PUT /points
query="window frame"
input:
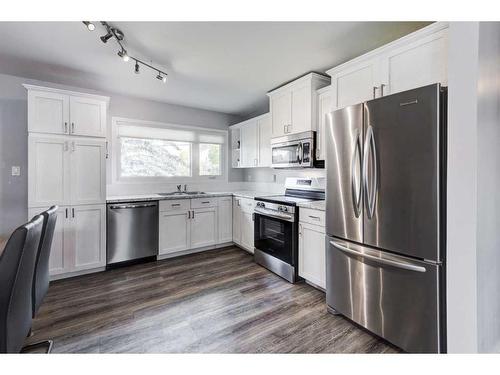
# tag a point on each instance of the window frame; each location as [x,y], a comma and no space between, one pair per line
[195,176]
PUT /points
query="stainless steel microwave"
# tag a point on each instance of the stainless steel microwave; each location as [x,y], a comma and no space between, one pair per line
[293,151]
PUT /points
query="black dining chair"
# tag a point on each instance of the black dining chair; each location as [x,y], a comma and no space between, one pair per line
[41,278]
[17,267]
[41,274]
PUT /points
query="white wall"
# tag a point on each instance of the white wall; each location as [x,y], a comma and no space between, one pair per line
[473,236]
[461,195]
[488,188]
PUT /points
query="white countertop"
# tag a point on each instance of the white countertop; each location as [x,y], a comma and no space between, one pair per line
[314,205]
[157,197]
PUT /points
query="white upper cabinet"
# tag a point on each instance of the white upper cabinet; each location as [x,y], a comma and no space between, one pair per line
[57,111]
[281,112]
[88,171]
[355,84]
[251,143]
[264,124]
[48,171]
[294,105]
[88,117]
[65,170]
[325,106]
[48,112]
[249,138]
[417,63]
[415,60]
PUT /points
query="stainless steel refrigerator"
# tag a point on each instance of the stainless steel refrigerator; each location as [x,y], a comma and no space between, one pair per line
[385,206]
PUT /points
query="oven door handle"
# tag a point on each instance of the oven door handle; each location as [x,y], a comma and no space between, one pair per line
[280,216]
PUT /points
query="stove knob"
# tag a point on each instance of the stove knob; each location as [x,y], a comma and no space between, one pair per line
[282,208]
[262,204]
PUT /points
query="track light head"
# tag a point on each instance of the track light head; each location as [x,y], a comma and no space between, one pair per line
[89,25]
[136,70]
[161,78]
[123,54]
[106,37]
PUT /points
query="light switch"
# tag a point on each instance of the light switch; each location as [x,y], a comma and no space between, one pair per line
[16,170]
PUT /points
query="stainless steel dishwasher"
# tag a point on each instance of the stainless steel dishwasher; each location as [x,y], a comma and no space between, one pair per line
[132,231]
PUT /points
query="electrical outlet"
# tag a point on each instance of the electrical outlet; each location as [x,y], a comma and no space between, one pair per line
[274,178]
[16,170]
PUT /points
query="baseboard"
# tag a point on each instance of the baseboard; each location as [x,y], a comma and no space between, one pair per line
[193,251]
[76,273]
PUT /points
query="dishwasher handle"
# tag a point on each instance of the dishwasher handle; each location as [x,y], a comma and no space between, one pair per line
[123,206]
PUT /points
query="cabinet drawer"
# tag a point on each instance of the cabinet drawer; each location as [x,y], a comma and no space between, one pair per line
[174,205]
[310,216]
[247,204]
[203,202]
[225,200]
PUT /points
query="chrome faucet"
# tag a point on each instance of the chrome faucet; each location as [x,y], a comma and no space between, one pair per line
[185,188]
[179,188]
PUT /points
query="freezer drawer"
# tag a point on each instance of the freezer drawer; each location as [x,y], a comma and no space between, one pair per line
[392,296]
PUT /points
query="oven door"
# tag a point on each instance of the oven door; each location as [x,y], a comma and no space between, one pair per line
[276,236]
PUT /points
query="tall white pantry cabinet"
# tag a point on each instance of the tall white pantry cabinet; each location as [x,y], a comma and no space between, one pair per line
[67,167]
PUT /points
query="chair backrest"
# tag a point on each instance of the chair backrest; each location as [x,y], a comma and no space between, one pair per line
[17,266]
[41,278]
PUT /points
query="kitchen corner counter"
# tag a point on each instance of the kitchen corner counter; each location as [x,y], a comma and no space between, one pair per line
[315,205]
[157,197]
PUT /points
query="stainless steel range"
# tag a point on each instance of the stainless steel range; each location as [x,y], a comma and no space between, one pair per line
[276,225]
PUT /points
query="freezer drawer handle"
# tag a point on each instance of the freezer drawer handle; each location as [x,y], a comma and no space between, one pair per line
[406,266]
[132,206]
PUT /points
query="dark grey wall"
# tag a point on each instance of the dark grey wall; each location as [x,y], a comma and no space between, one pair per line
[14,146]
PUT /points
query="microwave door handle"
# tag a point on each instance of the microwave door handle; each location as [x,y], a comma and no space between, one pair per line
[299,153]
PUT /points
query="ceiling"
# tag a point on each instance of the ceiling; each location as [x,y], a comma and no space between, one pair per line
[221,66]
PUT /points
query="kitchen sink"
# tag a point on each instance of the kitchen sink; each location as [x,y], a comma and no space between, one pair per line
[181,193]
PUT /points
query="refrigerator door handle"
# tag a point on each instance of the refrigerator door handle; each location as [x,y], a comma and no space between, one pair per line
[356,188]
[370,188]
[402,265]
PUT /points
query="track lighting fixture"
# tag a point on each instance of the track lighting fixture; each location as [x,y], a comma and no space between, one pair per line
[89,25]
[106,37]
[117,34]
[123,54]
[161,78]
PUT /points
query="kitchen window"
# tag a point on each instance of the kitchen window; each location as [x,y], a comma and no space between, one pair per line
[153,152]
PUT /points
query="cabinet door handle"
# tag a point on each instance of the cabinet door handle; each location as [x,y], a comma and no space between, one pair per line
[189,214]
[284,129]
[314,217]
[65,127]
[73,146]
[300,229]
[375,88]
[66,212]
[205,202]
[382,89]
[192,214]
[73,128]
[175,204]
[65,146]
[73,212]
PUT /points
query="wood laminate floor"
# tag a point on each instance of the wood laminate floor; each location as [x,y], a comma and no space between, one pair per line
[212,302]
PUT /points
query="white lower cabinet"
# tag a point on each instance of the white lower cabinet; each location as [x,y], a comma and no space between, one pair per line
[203,227]
[247,230]
[312,262]
[236,221]
[186,224]
[175,231]
[243,224]
[79,241]
[224,220]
